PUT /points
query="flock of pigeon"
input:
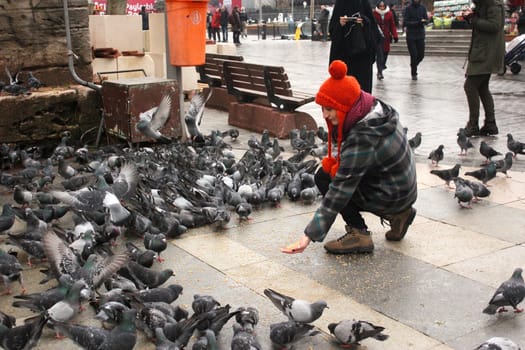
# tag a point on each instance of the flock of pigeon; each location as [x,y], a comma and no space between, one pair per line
[469,191]
[17,87]
[77,204]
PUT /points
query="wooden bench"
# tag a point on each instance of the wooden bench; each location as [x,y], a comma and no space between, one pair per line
[264,99]
[210,73]
[249,81]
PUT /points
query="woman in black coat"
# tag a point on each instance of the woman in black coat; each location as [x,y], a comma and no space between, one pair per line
[343,48]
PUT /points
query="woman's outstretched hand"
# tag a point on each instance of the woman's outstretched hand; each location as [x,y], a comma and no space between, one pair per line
[297,247]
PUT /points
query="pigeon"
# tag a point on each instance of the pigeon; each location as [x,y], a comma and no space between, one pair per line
[351,332]
[10,271]
[207,341]
[65,170]
[498,343]
[295,309]
[487,151]
[504,164]
[39,302]
[322,134]
[447,174]
[163,294]
[244,339]
[479,190]
[193,117]
[7,218]
[22,337]
[515,146]
[148,277]
[415,141]
[509,293]
[436,155]
[122,336]
[203,303]
[66,309]
[7,320]
[463,193]
[152,120]
[156,243]
[247,317]
[141,256]
[484,174]
[285,334]
[33,82]
[162,342]
[463,142]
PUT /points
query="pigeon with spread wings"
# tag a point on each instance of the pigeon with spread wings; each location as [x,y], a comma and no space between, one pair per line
[152,120]
[193,116]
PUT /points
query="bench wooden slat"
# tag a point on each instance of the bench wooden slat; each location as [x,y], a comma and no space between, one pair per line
[211,71]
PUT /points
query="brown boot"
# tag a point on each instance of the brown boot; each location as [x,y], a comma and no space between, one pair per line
[399,224]
[354,241]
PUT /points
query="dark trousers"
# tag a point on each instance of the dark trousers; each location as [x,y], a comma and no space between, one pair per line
[216,34]
[361,68]
[236,36]
[416,49]
[351,213]
[381,57]
[324,30]
[477,88]
[224,33]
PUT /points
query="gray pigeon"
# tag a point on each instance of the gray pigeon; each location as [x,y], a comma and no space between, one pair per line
[23,337]
[244,339]
[509,293]
[7,218]
[487,151]
[479,190]
[351,332]
[295,309]
[247,317]
[415,141]
[504,164]
[447,174]
[463,142]
[203,303]
[436,155]
[498,343]
[463,193]
[484,174]
[152,120]
[193,117]
[515,146]
[285,334]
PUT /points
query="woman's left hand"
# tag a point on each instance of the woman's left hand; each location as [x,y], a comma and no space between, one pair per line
[297,247]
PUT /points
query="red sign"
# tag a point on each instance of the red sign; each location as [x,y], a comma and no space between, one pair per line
[133,7]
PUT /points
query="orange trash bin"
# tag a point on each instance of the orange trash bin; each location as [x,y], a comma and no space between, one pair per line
[186,31]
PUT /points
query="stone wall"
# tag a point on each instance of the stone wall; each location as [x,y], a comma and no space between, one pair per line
[33,38]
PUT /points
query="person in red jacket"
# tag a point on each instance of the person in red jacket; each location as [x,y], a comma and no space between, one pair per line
[385,20]
[216,25]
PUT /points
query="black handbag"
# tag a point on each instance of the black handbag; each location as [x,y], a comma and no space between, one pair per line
[354,40]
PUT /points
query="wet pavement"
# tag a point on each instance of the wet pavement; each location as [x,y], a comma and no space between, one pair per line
[428,290]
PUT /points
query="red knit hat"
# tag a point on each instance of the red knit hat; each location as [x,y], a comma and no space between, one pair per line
[339,92]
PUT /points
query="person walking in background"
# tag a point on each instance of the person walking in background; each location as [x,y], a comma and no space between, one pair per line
[225,16]
[385,19]
[145,18]
[521,23]
[373,169]
[209,28]
[486,56]
[394,14]
[415,19]
[235,22]
[244,21]
[323,22]
[216,25]
[354,37]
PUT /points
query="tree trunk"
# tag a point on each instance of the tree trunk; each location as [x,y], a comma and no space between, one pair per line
[116,7]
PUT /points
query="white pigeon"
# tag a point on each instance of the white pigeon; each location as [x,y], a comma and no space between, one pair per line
[295,309]
[152,120]
[498,343]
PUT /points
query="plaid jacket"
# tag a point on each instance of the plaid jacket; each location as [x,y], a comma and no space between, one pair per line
[377,171]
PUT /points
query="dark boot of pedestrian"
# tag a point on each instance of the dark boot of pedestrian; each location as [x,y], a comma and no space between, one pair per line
[399,224]
[489,128]
[380,75]
[354,241]
[471,129]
